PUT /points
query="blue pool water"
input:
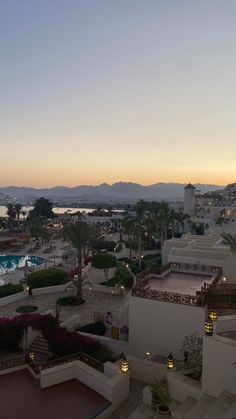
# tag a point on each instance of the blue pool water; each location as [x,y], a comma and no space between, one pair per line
[11,262]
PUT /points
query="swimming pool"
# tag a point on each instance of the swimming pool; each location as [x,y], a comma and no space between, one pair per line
[11,262]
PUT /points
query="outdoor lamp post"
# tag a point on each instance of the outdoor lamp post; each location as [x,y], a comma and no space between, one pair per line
[170,362]
[124,365]
[208,328]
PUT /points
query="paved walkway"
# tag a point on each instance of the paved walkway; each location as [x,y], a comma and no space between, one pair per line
[94,302]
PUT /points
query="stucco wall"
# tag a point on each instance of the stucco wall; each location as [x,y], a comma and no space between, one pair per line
[160,327]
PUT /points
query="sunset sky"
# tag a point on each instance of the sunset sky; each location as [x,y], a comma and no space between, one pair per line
[99,91]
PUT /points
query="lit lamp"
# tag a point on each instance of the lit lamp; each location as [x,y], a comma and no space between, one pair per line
[31,355]
[170,362]
[148,355]
[208,328]
[213,315]
[124,366]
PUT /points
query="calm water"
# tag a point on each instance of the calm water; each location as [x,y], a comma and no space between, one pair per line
[3,210]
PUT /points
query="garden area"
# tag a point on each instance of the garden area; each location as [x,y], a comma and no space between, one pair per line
[61,342]
[106,261]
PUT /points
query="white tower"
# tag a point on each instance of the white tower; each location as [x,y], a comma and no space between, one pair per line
[189,199]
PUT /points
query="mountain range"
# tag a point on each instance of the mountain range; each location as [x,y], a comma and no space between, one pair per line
[119,191]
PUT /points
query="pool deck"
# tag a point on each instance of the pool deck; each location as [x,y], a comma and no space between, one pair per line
[179,282]
[22,397]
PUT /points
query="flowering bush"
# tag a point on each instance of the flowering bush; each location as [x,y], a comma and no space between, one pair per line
[10,334]
[61,341]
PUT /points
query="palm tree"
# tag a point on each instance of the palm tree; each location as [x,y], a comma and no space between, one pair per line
[231,240]
[230,267]
[140,210]
[79,235]
[128,224]
[11,213]
[164,216]
[18,208]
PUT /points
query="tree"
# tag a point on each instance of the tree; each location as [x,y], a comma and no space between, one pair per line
[104,261]
[11,213]
[18,208]
[79,234]
[43,207]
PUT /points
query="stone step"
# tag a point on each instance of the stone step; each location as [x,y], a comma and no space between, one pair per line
[184,408]
[143,412]
[221,406]
[201,407]
[39,345]
[231,414]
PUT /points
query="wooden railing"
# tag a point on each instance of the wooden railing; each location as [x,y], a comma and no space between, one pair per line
[11,363]
[81,356]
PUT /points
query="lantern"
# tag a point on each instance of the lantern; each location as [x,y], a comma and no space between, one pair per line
[213,315]
[124,366]
[170,362]
[208,328]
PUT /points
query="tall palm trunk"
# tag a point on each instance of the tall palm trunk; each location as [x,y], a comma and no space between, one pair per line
[79,279]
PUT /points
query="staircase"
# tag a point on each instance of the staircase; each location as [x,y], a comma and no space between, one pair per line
[40,345]
[207,407]
[144,411]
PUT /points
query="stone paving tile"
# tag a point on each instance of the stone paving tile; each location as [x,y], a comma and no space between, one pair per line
[94,302]
[129,405]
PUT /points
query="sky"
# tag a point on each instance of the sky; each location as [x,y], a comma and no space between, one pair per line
[96,91]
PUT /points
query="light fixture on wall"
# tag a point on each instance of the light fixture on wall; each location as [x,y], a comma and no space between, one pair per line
[208,328]
[213,314]
[124,365]
[148,355]
[170,362]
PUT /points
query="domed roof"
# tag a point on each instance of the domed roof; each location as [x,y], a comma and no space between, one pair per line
[190,186]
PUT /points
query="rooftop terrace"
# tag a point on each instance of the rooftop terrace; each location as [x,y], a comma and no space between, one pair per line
[181,283]
[23,398]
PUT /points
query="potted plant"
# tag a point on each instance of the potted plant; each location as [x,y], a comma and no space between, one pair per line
[164,398]
[155,394]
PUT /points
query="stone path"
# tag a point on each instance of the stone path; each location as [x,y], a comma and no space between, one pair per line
[134,400]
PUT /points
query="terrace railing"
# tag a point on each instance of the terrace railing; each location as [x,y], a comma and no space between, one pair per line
[142,289]
[12,363]
[81,356]
[169,297]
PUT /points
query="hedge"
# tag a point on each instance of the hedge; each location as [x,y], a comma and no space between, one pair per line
[47,278]
[10,289]
[97,328]
[67,301]
[26,309]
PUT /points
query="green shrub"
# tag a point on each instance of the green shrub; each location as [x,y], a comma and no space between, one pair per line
[97,328]
[47,278]
[67,301]
[104,354]
[122,276]
[26,309]
[10,289]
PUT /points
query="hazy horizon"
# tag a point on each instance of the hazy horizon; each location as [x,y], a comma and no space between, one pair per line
[128,89]
[107,183]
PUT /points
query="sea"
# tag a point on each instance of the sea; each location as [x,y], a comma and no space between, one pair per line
[3,210]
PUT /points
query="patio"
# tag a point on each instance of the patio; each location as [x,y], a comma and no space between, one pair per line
[23,398]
